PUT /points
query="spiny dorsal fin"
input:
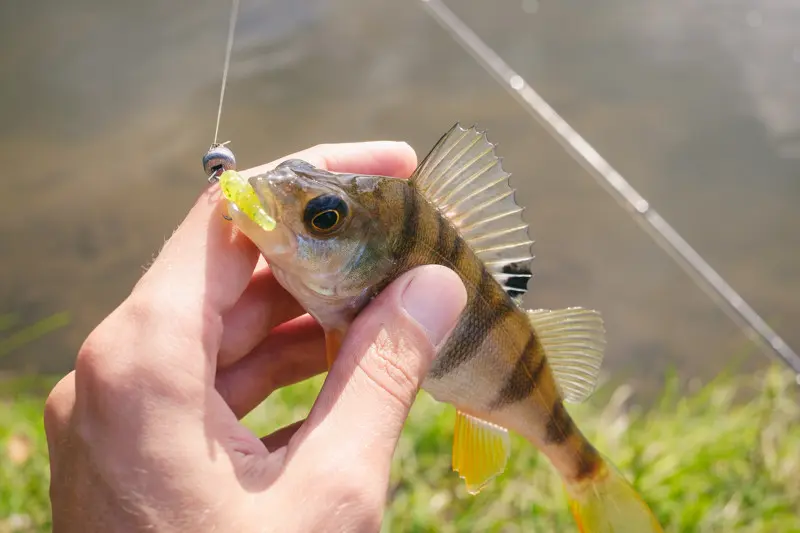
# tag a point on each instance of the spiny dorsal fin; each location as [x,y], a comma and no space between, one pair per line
[465,180]
[574,341]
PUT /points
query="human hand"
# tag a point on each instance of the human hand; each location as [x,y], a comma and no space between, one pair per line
[145,433]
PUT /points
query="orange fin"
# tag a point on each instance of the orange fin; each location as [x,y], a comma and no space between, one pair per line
[607,503]
[480,451]
[333,341]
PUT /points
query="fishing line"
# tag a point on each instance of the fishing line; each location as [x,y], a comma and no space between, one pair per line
[229,48]
[219,158]
[612,181]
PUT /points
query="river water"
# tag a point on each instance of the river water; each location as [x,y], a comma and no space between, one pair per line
[108,107]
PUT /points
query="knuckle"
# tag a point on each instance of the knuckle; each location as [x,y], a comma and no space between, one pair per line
[102,364]
[90,360]
[97,358]
[59,404]
[388,365]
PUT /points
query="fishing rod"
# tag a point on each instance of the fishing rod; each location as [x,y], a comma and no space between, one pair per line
[612,181]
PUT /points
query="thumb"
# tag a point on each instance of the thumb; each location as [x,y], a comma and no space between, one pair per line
[361,410]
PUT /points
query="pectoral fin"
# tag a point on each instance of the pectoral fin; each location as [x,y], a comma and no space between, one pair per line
[480,451]
[333,341]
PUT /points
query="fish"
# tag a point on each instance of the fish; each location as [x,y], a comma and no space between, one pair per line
[336,240]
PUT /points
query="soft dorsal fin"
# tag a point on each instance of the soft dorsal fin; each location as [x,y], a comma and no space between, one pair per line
[574,341]
[465,180]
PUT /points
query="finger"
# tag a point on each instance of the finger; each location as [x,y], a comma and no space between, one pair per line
[385,158]
[365,400]
[281,437]
[205,266]
[264,305]
[292,353]
[201,270]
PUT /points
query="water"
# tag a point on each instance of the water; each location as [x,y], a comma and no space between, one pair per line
[107,110]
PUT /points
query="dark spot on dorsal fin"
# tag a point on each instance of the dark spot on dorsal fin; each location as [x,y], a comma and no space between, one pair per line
[517,282]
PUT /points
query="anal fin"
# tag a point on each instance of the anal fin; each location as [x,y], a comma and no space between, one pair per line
[480,451]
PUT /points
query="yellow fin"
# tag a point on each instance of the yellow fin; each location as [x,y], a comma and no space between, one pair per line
[574,342]
[333,341]
[464,178]
[480,451]
[607,503]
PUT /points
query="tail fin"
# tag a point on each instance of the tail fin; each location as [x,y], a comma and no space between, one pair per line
[607,503]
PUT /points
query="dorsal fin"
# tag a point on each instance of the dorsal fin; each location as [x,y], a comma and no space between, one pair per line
[463,177]
[574,342]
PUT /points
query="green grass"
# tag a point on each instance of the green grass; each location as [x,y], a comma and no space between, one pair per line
[710,462]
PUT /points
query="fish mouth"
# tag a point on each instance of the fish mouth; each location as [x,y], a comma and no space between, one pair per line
[245,199]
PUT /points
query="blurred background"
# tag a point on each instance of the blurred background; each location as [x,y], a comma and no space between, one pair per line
[108,107]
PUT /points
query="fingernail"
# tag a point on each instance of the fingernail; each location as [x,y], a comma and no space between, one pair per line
[435,298]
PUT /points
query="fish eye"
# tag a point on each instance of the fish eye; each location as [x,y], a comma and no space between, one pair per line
[325,213]
[326,220]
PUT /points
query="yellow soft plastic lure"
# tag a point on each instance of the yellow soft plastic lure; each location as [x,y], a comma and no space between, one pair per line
[237,190]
